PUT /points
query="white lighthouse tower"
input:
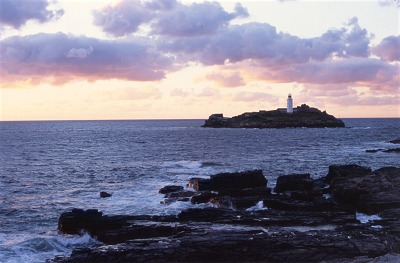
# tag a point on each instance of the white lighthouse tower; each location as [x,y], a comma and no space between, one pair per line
[289,104]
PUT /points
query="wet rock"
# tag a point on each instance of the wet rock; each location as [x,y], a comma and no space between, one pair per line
[365,191]
[396,141]
[343,171]
[231,181]
[259,191]
[142,230]
[268,217]
[202,184]
[240,180]
[297,224]
[91,221]
[77,220]
[374,150]
[203,197]
[170,189]
[392,150]
[294,182]
[179,196]
[239,245]
[105,194]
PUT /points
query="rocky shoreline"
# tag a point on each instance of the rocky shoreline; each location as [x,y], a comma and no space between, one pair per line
[300,220]
[303,116]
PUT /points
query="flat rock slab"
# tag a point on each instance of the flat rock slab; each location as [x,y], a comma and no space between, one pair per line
[219,243]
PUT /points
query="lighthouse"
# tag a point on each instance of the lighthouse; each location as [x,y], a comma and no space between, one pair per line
[289,104]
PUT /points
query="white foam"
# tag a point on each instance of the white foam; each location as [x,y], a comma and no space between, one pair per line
[363,218]
[37,248]
[310,228]
[187,167]
[257,207]
[327,196]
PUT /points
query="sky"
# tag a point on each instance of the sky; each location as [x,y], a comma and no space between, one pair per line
[171,59]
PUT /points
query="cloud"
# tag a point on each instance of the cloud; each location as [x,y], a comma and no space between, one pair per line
[178,92]
[122,18]
[248,96]
[232,80]
[261,41]
[129,93]
[357,40]
[165,17]
[209,92]
[79,52]
[182,34]
[391,100]
[338,71]
[60,56]
[196,19]
[389,3]
[389,48]
[16,13]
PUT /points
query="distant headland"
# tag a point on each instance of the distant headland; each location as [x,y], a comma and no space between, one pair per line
[289,117]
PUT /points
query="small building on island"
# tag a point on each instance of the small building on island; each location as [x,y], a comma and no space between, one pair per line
[289,106]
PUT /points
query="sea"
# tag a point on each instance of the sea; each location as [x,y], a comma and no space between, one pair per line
[48,167]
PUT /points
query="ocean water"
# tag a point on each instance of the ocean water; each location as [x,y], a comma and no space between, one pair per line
[49,167]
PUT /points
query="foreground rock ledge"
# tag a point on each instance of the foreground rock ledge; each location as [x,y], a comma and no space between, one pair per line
[306,221]
[304,116]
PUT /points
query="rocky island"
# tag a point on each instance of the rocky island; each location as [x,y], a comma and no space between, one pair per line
[302,116]
[350,215]
[289,117]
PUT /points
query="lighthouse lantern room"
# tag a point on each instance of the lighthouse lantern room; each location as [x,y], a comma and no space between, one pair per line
[289,104]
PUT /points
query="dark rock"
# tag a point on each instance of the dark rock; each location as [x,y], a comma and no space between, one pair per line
[304,116]
[222,201]
[206,215]
[392,150]
[365,191]
[294,182]
[231,181]
[298,224]
[202,184]
[180,194]
[303,196]
[351,170]
[374,150]
[268,217]
[397,141]
[192,181]
[287,203]
[144,230]
[170,189]
[240,180]
[259,191]
[203,197]
[105,194]
[213,244]
[91,220]
[77,220]
[168,201]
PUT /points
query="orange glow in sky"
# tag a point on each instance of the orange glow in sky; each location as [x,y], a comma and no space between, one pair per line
[170,59]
